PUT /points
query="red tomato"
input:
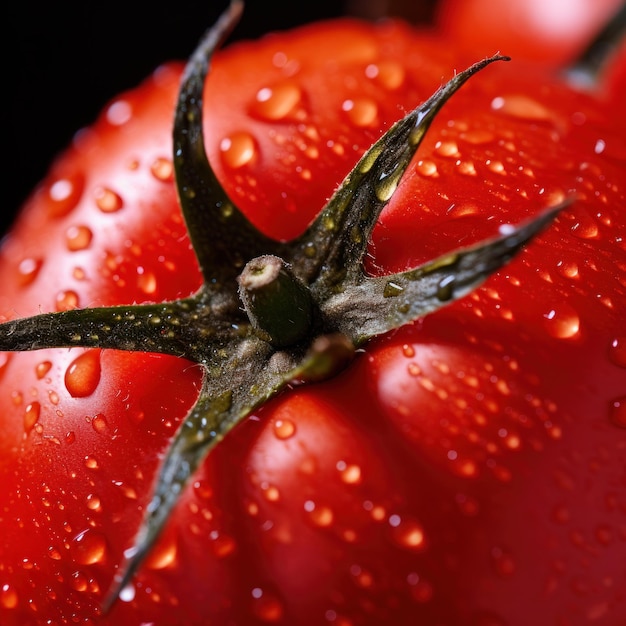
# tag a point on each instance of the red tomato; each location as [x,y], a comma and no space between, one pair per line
[550,32]
[465,470]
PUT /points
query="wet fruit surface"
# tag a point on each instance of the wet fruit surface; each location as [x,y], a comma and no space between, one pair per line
[465,470]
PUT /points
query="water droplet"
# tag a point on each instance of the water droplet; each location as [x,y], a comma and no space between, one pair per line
[163,554]
[107,200]
[361,112]
[91,462]
[569,269]
[27,270]
[63,195]
[78,238]
[478,136]
[79,581]
[66,300]
[277,102]
[362,577]
[406,532]
[266,606]
[585,227]
[467,168]
[562,323]
[93,502]
[83,374]
[497,167]
[320,515]
[284,428]
[89,547]
[31,416]
[447,148]
[238,149]
[426,167]
[99,424]
[388,74]
[119,113]
[41,369]
[521,106]
[618,412]
[617,351]
[350,473]
[8,597]
[146,281]
[162,169]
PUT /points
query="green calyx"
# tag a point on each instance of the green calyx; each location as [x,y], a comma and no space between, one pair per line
[268,312]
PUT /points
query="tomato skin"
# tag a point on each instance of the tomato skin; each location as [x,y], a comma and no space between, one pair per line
[531,30]
[464,470]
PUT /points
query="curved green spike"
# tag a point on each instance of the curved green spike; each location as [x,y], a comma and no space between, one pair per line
[339,236]
[222,237]
[397,299]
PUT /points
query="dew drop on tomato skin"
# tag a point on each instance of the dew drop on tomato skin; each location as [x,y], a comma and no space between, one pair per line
[523,107]
[238,149]
[89,547]
[164,554]
[27,270]
[562,322]
[93,502]
[62,196]
[265,606]
[406,533]
[83,374]
[389,74]
[162,169]
[66,300]
[9,598]
[284,429]
[78,238]
[277,102]
[31,416]
[107,200]
[319,515]
[362,112]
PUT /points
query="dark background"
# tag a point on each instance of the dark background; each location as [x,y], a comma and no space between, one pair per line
[63,61]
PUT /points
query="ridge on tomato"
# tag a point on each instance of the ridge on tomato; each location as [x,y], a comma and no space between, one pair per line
[437,440]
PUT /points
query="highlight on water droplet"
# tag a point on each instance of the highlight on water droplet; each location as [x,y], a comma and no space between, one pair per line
[238,149]
[562,322]
[107,200]
[146,281]
[350,472]
[83,374]
[89,547]
[41,369]
[427,168]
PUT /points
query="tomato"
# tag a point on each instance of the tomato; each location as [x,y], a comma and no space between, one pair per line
[547,32]
[466,469]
